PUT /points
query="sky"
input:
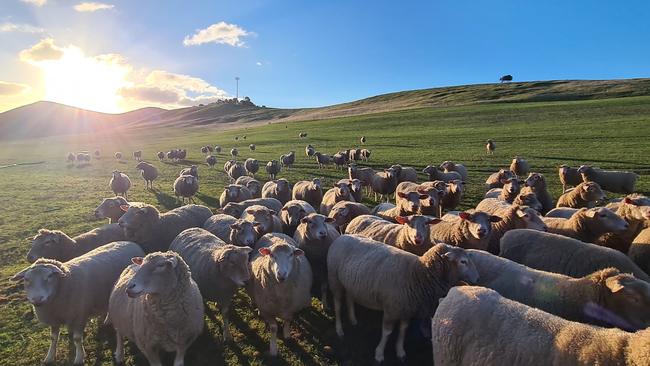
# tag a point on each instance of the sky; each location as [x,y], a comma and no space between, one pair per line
[119,55]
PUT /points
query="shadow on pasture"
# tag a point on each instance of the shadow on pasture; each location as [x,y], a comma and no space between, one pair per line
[208,200]
[165,200]
[581,161]
[70,165]
[81,166]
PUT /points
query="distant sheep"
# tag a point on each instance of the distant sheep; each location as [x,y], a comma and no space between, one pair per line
[234,193]
[236,210]
[118,155]
[254,186]
[120,183]
[569,176]
[450,166]
[70,158]
[252,147]
[279,189]
[110,209]
[309,191]
[384,183]
[434,173]
[186,187]
[519,166]
[273,168]
[309,151]
[405,174]
[211,160]
[585,194]
[137,155]
[365,155]
[287,160]
[609,180]
[217,149]
[490,147]
[322,160]
[236,170]
[149,173]
[340,192]
[362,140]
[160,155]
[362,174]
[252,166]
[234,152]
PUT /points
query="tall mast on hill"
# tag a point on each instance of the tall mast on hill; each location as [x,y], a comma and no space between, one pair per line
[237,80]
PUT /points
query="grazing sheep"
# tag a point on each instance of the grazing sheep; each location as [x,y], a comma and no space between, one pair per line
[82,157]
[610,180]
[497,180]
[362,174]
[405,174]
[528,199]
[234,193]
[384,183]
[309,151]
[70,158]
[69,293]
[120,184]
[55,244]
[137,155]
[234,152]
[536,183]
[291,214]
[160,155]
[118,155]
[110,209]
[434,173]
[252,147]
[345,211]
[219,269]
[477,326]
[278,189]
[510,191]
[265,219]
[252,166]
[363,140]
[322,160]
[182,154]
[339,160]
[450,166]
[204,150]
[636,212]
[236,209]
[273,168]
[171,155]
[453,195]
[236,170]
[490,147]
[639,251]
[585,194]
[400,284]
[231,230]
[340,192]
[154,231]
[365,155]
[169,317]
[149,173]
[186,187]
[587,224]
[621,298]
[560,254]
[192,170]
[519,166]
[355,188]
[314,235]
[254,186]
[228,164]
[97,153]
[287,160]
[211,160]
[217,149]
[309,191]
[281,283]
[569,176]
[470,231]
[354,154]
[302,135]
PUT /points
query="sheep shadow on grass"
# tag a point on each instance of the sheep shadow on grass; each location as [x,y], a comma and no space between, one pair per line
[208,200]
[167,201]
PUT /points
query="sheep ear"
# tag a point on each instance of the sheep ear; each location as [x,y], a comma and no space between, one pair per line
[124,207]
[424,196]
[464,215]
[264,251]
[330,220]
[137,260]
[401,220]
[20,275]
[495,218]
[250,211]
[304,220]
[628,200]
[434,221]
[401,195]
[284,208]
[614,284]
[591,213]
[521,213]
[298,252]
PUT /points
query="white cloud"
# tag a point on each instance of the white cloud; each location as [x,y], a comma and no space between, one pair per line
[222,32]
[35,2]
[22,28]
[42,51]
[92,6]
[258,63]
[7,88]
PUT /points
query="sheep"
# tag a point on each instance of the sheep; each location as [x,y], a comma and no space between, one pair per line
[490,147]
[610,180]
[70,158]
[571,298]
[450,166]
[171,155]
[186,187]
[280,284]
[560,254]
[309,191]
[278,189]
[339,160]
[355,188]
[510,191]
[637,199]
[362,140]
[252,166]
[234,152]
[309,151]
[145,225]
[211,160]
[169,317]
[291,214]
[265,219]
[408,199]
[528,199]
[384,183]
[254,186]
[137,155]
[519,166]
[83,157]
[217,149]
[434,173]
[149,173]
[55,244]
[160,155]
[272,169]
[340,192]
[110,209]
[568,176]
[231,230]
[633,210]
[252,147]
[120,184]
[587,224]
[204,150]
[536,183]
[497,180]
[639,251]
[236,209]
[118,155]
[470,231]
[71,292]
[453,195]
[234,193]
[302,135]
[192,170]
[400,284]
[236,170]
[584,194]
[562,212]
[405,174]
[322,160]
[97,153]
[345,211]
[365,155]
[287,160]
[219,269]
[354,154]
[314,235]
[436,191]
[477,326]
[362,174]
[182,154]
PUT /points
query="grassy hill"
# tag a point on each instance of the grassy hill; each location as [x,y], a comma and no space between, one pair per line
[610,133]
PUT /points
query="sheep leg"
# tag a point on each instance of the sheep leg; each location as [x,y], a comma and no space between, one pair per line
[179,360]
[286,329]
[273,346]
[54,341]
[225,314]
[323,294]
[119,348]
[337,314]
[352,316]
[399,344]
[80,353]
[152,356]
[386,329]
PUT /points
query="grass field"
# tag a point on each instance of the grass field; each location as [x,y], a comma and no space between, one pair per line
[611,133]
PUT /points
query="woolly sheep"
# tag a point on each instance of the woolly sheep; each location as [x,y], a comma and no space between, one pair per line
[477,326]
[235,171]
[192,170]
[354,154]
[562,212]
[635,210]
[471,231]
[340,192]
[453,195]
[252,147]
[181,154]
[266,219]
[234,152]
[519,166]
[339,160]
[281,283]
[405,173]
[309,151]
[436,191]
[236,209]
[120,183]
[365,155]
[345,211]
[160,155]
[69,293]
[217,149]
[149,173]
[322,160]
[408,199]
[510,191]
[639,251]
[362,174]
[490,147]
[204,150]
[278,189]
[587,224]
[362,140]
[610,180]
[145,225]
[536,183]
[291,214]
[584,194]
[528,199]
[496,180]
[309,191]
[118,155]
[450,166]
[234,193]
[434,173]
[384,183]
[211,160]
[231,230]
[252,166]
[569,176]
[560,254]
[110,209]
[273,168]
[287,160]
[253,185]
[219,269]
[186,187]
[70,158]
[355,188]
[137,155]
[373,274]
[169,317]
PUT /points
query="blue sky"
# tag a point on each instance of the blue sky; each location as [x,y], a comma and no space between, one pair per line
[300,54]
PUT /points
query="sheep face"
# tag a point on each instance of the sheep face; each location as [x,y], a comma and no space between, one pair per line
[211,160]
[607,219]
[137,221]
[154,274]
[458,186]
[461,267]
[233,209]
[412,200]
[629,297]
[264,217]
[243,233]
[530,200]
[355,185]
[529,219]
[591,191]
[316,226]
[433,196]
[46,244]
[448,166]
[417,228]
[637,208]
[41,281]
[342,190]
[397,168]
[234,152]
[315,184]
[110,208]
[255,188]
[283,258]
[479,223]
[234,263]
[340,214]
[217,149]
[535,181]
[511,185]
[232,191]
[283,185]
[291,215]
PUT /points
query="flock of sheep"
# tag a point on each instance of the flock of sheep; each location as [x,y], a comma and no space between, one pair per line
[523,278]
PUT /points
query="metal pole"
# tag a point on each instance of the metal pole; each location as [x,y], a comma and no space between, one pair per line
[237,78]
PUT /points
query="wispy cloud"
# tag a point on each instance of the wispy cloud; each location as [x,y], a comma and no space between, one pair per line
[222,33]
[7,88]
[258,63]
[92,6]
[22,28]
[35,2]
[42,51]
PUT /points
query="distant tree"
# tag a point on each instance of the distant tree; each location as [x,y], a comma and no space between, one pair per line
[506,78]
[201,105]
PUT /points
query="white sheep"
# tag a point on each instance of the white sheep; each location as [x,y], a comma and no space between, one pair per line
[450,166]
[587,224]
[362,174]
[291,214]
[265,219]
[309,191]
[585,194]
[355,188]
[340,192]
[610,180]
[490,147]
[405,173]
[568,176]
[639,251]
[149,173]
[110,209]
[519,166]
[384,183]
[186,187]
[273,168]
[496,180]
[234,193]
[253,185]
[252,166]
[434,173]
[471,230]
[231,230]
[536,183]
[236,170]
[345,211]
[120,184]
[510,191]
[635,210]
[279,189]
